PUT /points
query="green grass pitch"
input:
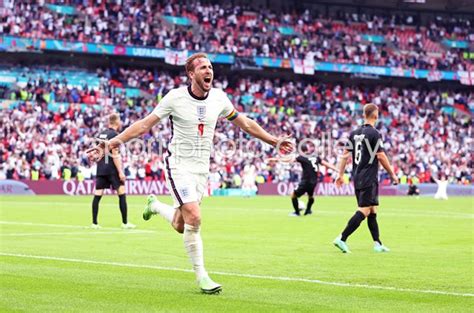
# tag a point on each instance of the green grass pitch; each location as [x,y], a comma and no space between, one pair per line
[266,261]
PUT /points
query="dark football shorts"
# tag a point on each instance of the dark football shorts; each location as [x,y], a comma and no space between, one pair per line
[412,190]
[105,182]
[305,187]
[368,196]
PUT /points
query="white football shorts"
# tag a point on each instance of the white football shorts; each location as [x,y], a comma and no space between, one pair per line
[185,187]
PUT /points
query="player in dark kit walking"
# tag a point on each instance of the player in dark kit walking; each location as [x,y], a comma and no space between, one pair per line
[309,178]
[366,147]
[110,174]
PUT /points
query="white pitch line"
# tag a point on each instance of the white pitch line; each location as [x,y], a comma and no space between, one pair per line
[397,213]
[72,226]
[266,277]
[73,233]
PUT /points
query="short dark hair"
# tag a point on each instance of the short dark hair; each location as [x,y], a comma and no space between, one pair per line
[189,66]
[369,110]
[308,146]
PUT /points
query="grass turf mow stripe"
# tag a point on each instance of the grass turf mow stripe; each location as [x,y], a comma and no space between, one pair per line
[293,279]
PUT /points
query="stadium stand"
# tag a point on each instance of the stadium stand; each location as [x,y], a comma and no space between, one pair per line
[54,133]
[385,40]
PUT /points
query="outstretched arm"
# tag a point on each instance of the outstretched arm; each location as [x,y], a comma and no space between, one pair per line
[133,131]
[382,157]
[342,167]
[252,128]
[329,165]
[289,159]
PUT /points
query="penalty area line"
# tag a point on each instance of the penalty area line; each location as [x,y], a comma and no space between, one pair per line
[266,277]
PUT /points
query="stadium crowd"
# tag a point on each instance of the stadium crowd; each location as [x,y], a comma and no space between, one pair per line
[113,83]
[426,131]
[232,29]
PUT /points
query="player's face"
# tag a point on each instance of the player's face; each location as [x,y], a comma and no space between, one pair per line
[203,74]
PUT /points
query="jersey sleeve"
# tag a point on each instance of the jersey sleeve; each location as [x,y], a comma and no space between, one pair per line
[111,134]
[164,107]
[378,143]
[299,159]
[228,111]
[350,142]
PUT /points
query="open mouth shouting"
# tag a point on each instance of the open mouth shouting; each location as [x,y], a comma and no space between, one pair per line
[207,82]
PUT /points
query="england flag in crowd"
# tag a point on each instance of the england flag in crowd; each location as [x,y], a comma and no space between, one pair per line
[305,66]
[176,57]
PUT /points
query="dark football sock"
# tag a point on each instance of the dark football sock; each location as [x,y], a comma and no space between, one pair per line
[95,208]
[309,204]
[294,201]
[373,227]
[123,208]
[352,225]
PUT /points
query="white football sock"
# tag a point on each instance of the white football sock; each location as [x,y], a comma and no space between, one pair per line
[194,248]
[166,211]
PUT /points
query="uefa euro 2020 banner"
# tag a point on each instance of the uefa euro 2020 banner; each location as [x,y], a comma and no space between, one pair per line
[307,66]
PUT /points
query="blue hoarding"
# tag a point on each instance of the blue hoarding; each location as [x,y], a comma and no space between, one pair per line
[12,43]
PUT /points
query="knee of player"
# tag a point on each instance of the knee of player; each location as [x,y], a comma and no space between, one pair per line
[179,227]
[366,211]
[294,196]
[194,219]
[121,190]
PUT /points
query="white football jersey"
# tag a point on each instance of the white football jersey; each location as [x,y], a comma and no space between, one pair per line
[193,122]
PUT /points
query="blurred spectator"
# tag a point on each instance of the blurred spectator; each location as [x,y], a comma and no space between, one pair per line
[426,131]
[224,28]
